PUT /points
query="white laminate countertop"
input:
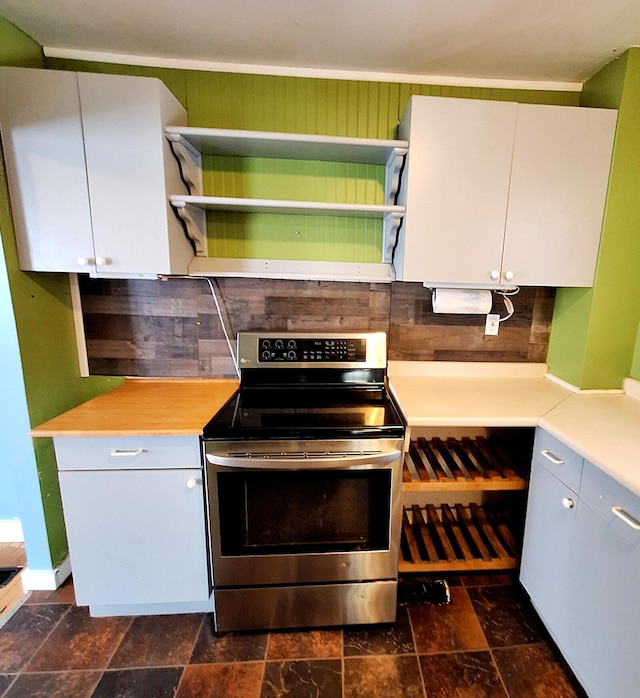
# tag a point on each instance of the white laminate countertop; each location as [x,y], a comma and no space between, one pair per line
[456,394]
[604,429]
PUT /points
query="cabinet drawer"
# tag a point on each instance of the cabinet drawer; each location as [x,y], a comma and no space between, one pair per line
[558,459]
[612,502]
[127,452]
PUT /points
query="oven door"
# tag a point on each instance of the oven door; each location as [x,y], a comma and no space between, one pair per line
[304,512]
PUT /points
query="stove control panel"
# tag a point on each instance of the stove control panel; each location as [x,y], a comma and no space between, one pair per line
[332,350]
[302,350]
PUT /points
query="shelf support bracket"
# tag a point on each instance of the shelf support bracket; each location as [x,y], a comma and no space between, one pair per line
[395,162]
[189,161]
[391,226]
[195,221]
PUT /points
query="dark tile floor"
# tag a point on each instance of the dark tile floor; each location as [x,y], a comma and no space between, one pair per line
[487,643]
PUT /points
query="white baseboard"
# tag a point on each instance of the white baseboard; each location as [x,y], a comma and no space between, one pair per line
[11,531]
[45,580]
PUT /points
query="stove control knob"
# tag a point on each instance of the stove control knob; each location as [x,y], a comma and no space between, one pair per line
[279,344]
[291,356]
[266,355]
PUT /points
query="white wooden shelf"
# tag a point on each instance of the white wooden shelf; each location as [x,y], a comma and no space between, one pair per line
[189,144]
[290,146]
[228,203]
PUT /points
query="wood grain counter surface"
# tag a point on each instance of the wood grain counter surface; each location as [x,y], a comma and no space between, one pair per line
[144,406]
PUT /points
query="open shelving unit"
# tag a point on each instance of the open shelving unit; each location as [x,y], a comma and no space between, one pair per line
[482,533]
[190,144]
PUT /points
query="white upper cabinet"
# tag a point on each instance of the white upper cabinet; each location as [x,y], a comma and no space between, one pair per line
[89,170]
[499,194]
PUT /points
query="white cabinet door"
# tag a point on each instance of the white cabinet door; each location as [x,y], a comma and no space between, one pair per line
[602,591]
[43,148]
[559,178]
[130,171]
[502,194]
[551,515]
[455,189]
[89,170]
[136,536]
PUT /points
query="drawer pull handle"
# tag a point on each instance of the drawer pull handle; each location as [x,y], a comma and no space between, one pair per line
[554,459]
[126,454]
[567,503]
[192,482]
[627,518]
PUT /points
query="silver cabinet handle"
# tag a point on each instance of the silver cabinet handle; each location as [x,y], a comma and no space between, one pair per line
[126,454]
[554,459]
[627,518]
[567,503]
[192,482]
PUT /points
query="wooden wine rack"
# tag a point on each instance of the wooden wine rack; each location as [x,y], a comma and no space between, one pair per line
[456,537]
[462,464]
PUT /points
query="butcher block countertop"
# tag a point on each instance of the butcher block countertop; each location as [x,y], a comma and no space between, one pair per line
[144,406]
[453,394]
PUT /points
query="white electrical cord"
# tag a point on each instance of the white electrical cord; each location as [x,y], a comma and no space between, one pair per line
[217,304]
[507,302]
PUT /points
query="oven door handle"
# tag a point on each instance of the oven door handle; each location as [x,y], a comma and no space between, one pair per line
[303,462]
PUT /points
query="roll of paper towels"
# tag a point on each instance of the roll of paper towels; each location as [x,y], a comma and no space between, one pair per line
[462,301]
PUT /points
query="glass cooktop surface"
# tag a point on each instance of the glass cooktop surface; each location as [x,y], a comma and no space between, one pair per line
[304,413]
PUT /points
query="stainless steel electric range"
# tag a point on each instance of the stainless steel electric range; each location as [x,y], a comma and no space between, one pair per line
[303,470]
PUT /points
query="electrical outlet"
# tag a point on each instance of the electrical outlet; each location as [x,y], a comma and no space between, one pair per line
[492,324]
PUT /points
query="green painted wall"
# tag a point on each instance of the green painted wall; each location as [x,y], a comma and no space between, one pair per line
[594,331]
[39,309]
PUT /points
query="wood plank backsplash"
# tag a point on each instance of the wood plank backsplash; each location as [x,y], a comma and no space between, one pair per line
[172,327]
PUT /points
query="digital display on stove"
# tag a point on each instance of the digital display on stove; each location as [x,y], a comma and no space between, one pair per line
[285,349]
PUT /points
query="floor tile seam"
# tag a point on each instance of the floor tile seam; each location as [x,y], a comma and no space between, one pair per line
[381,654]
[205,619]
[415,646]
[535,643]
[117,647]
[466,650]
[134,667]
[15,678]
[475,613]
[47,636]
[227,663]
[499,673]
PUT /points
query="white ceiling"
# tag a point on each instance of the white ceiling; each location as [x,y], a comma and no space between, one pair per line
[539,40]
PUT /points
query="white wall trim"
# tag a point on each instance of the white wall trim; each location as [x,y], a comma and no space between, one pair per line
[11,531]
[323,73]
[580,391]
[632,388]
[45,580]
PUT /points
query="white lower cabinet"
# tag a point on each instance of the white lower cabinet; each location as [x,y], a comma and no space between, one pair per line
[551,514]
[581,567]
[602,592]
[135,518]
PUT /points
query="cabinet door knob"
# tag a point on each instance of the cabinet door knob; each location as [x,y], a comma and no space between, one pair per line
[508,275]
[192,482]
[567,503]
[103,261]
[85,261]
[495,274]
